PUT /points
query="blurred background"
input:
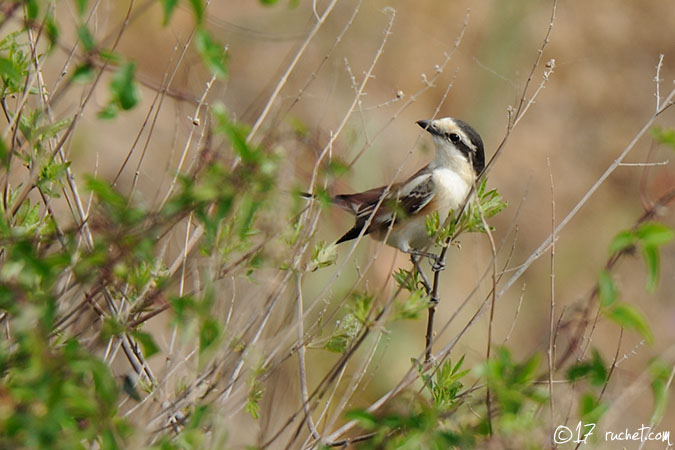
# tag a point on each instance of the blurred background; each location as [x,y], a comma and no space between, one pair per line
[601,92]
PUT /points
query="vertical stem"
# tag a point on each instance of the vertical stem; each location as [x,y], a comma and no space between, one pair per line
[437,268]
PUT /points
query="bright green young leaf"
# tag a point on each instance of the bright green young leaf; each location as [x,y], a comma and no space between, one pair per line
[652,261]
[364,418]
[147,342]
[654,234]
[86,38]
[408,280]
[627,316]
[323,255]
[8,70]
[81,6]
[198,9]
[599,369]
[236,134]
[578,371]
[111,327]
[255,394]
[345,331]
[591,409]
[123,87]
[664,135]
[168,6]
[32,9]
[105,192]
[247,214]
[595,369]
[109,111]
[606,289]
[411,307]
[622,241]
[83,73]
[209,333]
[213,54]
[660,372]
[52,31]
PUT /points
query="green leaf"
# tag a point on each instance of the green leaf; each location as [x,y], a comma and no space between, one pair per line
[578,371]
[363,417]
[208,334]
[255,394]
[168,6]
[652,261]
[411,307]
[198,9]
[408,280]
[111,327]
[86,38]
[627,316]
[124,89]
[108,112]
[81,6]
[106,193]
[345,331]
[8,70]
[147,342]
[360,304]
[323,255]
[598,369]
[52,31]
[664,136]
[83,73]
[213,54]
[622,241]
[236,134]
[32,9]
[432,223]
[591,409]
[606,289]
[269,2]
[654,234]
[336,168]
[660,374]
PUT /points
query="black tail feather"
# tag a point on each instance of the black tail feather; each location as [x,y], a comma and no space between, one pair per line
[351,234]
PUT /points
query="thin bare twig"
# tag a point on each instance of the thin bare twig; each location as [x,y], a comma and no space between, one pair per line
[551,335]
[284,78]
[301,360]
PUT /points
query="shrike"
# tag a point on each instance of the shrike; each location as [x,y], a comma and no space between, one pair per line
[399,213]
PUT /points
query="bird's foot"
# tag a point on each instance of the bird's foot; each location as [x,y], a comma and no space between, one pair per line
[438,264]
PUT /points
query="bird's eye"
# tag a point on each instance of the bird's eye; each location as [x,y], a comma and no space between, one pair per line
[454,137]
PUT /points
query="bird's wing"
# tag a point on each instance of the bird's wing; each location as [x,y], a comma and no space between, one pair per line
[403,199]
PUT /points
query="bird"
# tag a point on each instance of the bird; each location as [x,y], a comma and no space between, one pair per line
[398,215]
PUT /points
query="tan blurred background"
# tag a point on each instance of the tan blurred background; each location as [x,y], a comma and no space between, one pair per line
[599,96]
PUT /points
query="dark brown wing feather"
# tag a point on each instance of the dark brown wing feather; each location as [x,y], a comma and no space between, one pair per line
[403,199]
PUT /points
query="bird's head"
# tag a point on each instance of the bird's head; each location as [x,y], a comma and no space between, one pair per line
[455,138]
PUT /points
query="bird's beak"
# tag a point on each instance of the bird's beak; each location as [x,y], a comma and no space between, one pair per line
[428,125]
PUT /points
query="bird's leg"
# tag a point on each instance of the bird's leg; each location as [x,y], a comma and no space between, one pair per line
[425,281]
[437,264]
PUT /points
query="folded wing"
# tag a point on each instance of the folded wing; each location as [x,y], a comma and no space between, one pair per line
[402,200]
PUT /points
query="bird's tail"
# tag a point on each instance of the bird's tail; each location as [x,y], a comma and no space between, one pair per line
[341,201]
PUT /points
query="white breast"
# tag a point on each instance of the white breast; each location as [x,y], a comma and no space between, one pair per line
[451,190]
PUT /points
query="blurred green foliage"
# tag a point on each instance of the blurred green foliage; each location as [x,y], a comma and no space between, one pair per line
[57,389]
